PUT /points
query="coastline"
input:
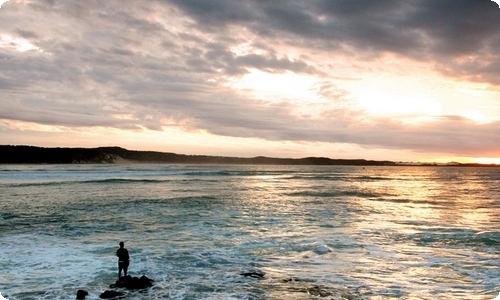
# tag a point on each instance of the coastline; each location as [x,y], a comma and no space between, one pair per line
[20,154]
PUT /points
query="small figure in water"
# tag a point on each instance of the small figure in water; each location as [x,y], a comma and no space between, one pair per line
[123,260]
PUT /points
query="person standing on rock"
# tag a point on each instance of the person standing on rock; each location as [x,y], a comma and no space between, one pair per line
[123,260]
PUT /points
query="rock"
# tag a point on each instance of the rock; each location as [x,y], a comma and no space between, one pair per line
[254,274]
[319,291]
[81,294]
[133,283]
[333,293]
[111,294]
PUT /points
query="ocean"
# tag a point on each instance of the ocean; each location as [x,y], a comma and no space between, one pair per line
[314,232]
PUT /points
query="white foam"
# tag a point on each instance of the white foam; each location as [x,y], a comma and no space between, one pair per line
[322,249]
[315,246]
[49,263]
[2,298]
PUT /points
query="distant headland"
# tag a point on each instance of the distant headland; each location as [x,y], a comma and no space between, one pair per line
[10,154]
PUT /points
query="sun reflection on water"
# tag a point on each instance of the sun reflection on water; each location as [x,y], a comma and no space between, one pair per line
[428,196]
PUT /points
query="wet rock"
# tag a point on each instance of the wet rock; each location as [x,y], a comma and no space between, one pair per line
[333,293]
[254,274]
[81,294]
[133,283]
[319,291]
[111,294]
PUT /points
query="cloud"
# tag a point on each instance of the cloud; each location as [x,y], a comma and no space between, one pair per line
[444,31]
[135,65]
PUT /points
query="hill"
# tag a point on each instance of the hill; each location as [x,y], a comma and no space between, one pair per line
[102,155]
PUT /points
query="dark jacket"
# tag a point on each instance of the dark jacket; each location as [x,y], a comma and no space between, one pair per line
[122,254]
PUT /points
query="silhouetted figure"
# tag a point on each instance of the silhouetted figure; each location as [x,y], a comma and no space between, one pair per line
[123,260]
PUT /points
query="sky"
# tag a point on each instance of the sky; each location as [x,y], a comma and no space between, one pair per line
[400,80]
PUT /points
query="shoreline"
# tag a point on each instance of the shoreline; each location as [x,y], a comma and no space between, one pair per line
[117,155]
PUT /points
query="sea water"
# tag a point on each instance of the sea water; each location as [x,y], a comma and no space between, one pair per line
[315,232]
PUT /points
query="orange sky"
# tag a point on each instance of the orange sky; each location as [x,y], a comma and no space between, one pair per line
[396,80]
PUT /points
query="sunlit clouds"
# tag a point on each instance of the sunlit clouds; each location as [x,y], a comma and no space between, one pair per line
[18,44]
[398,80]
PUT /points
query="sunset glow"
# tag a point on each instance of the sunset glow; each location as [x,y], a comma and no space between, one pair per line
[337,79]
[487,160]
